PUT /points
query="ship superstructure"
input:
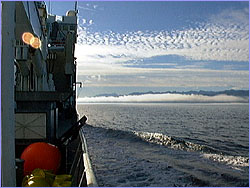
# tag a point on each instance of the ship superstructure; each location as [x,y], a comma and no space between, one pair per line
[39,71]
[45,77]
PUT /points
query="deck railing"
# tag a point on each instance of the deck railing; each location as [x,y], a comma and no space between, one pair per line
[81,170]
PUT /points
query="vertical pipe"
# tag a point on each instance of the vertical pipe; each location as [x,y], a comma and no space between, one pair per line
[76,6]
[8,169]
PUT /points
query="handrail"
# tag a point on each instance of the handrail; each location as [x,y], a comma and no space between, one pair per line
[90,176]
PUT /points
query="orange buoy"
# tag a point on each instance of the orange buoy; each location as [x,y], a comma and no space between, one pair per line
[41,155]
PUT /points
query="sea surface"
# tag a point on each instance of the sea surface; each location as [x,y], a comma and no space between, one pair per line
[168,144]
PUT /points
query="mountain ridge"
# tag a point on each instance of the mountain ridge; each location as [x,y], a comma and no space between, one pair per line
[231,92]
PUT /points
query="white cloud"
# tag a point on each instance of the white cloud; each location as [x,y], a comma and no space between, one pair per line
[89,7]
[212,42]
[141,77]
[231,16]
[91,22]
[85,8]
[164,98]
[107,53]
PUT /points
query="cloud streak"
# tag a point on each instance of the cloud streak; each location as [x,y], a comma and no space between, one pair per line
[163,98]
[137,77]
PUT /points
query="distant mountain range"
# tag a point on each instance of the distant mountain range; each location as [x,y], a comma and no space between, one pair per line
[239,93]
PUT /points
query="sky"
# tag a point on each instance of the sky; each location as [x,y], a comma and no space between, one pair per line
[126,47]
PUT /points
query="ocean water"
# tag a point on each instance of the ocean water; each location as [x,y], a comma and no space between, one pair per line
[168,144]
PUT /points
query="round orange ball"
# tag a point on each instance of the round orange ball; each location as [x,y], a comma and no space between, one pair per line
[41,155]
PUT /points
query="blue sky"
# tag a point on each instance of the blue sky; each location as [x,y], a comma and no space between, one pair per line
[140,46]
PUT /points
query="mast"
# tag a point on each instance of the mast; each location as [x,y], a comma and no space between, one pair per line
[8,170]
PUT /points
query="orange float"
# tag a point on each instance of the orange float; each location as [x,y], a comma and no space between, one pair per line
[41,155]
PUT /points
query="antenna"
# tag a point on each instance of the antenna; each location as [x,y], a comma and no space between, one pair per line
[49,8]
[76,7]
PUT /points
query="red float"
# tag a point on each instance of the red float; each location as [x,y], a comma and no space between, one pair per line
[41,155]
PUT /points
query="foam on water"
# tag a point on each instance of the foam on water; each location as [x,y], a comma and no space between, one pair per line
[174,143]
[207,152]
[235,161]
